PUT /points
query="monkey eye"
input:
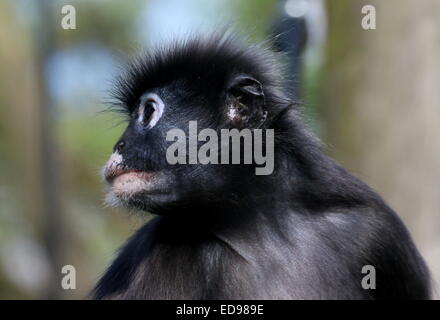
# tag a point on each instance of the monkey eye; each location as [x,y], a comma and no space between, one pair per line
[150,110]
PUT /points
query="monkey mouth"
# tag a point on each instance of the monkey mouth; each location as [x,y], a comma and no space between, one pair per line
[112,174]
[127,183]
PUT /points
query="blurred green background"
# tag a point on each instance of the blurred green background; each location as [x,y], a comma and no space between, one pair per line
[371,95]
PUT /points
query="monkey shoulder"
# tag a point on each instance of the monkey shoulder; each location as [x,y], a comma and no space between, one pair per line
[374,237]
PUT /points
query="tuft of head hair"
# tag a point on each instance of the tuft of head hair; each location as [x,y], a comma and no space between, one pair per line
[208,61]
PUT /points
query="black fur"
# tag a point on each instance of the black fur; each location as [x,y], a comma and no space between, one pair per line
[304,232]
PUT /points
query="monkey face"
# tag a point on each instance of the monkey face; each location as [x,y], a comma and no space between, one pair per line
[140,174]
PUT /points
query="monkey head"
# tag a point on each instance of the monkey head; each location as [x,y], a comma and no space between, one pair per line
[212,84]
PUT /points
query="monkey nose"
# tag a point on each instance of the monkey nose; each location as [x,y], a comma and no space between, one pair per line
[119,146]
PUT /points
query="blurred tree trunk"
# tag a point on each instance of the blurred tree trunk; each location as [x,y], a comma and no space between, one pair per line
[25,120]
[52,231]
[382,107]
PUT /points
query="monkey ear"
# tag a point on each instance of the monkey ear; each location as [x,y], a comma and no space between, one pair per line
[246,105]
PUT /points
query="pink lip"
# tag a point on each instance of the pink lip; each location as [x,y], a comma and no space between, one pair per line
[112,173]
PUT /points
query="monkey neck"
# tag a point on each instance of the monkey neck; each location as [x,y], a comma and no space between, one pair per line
[230,211]
[229,226]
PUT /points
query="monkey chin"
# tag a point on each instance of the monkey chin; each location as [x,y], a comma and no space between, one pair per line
[136,190]
[127,187]
[131,183]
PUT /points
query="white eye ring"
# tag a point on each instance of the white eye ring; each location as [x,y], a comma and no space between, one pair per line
[156,103]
